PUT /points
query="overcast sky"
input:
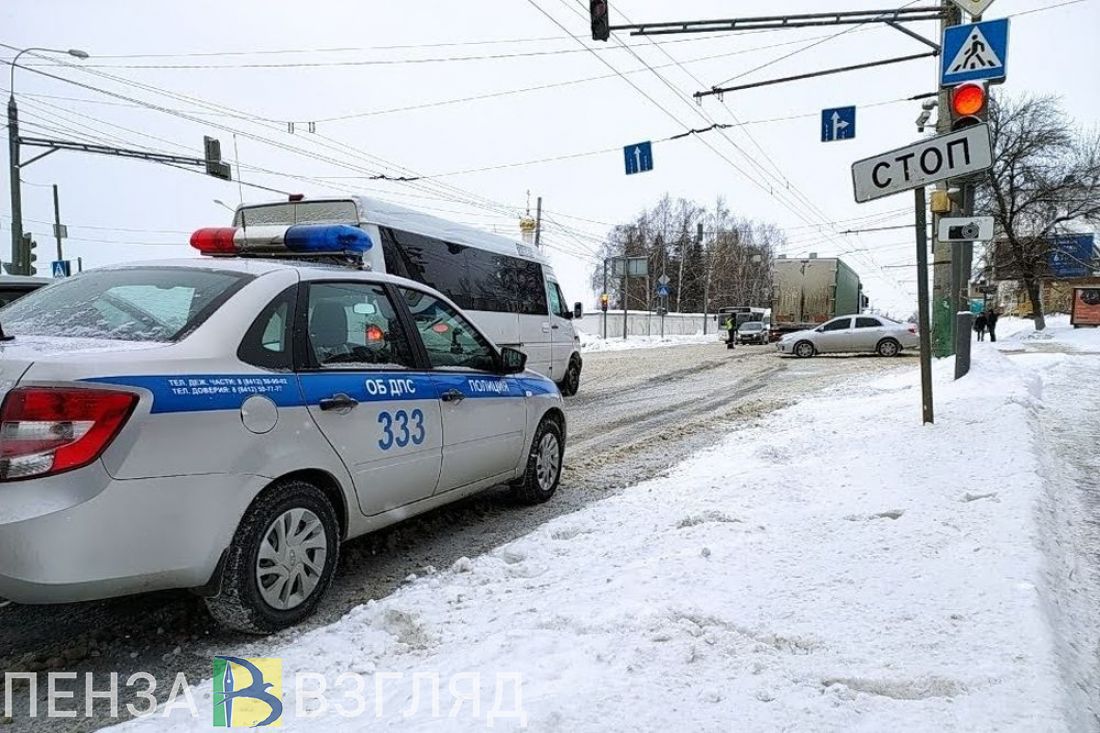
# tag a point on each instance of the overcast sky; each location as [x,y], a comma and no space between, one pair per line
[270,62]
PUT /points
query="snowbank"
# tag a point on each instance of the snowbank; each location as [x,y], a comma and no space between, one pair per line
[1058,333]
[835,567]
[591,343]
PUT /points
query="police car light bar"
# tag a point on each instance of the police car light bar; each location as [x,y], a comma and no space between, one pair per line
[301,239]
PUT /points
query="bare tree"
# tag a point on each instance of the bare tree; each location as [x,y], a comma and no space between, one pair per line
[733,263]
[1045,181]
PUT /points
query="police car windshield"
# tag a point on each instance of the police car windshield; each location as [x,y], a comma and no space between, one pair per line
[133,304]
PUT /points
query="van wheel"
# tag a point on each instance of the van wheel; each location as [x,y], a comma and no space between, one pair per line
[888,348]
[571,384]
[804,350]
[280,562]
[544,465]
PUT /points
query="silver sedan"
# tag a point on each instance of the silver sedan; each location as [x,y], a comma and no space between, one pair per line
[852,334]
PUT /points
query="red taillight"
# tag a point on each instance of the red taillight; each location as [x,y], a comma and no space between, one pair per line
[912,329]
[46,430]
[218,241]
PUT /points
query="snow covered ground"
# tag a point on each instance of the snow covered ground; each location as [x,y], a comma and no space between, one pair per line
[835,566]
[591,343]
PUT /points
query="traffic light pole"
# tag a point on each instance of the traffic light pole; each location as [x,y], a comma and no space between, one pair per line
[943,275]
[603,302]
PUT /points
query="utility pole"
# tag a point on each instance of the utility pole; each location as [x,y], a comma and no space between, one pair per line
[57,223]
[706,277]
[16,189]
[538,223]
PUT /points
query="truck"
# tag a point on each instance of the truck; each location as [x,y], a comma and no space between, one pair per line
[810,291]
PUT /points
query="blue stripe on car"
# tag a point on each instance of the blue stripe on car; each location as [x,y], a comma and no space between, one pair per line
[212,392]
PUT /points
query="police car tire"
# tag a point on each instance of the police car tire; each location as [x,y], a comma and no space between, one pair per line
[572,382]
[239,605]
[527,489]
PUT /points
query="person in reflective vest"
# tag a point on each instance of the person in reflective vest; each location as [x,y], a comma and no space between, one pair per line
[731,326]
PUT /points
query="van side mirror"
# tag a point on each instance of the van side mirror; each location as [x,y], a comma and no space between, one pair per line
[512,361]
[578,311]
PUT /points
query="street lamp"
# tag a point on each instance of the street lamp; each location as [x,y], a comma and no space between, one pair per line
[13,152]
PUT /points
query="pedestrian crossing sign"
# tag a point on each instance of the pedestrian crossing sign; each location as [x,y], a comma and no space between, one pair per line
[975,52]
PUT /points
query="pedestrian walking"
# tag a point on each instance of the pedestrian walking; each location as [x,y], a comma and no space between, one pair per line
[980,324]
[731,327]
[991,324]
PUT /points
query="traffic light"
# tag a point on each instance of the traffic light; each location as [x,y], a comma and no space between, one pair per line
[601,20]
[605,299]
[969,104]
[29,255]
[214,164]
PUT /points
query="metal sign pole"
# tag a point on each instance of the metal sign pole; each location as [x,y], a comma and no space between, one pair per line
[626,288]
[923,307]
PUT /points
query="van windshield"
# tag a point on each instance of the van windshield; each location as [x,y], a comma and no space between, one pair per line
[132,304]
[299,212]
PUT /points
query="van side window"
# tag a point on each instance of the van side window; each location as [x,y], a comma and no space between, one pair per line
[557,300]
[473,278]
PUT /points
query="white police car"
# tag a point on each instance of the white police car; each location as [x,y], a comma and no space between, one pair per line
[223,423]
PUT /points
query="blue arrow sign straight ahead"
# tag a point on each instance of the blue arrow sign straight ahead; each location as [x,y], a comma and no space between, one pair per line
[838,124]
[61,268]
[975,52]
[639,158]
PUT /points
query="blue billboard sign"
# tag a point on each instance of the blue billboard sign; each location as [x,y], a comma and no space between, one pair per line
[1072,255]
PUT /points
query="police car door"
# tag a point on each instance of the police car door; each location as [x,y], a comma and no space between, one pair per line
[361,384]
[484,413]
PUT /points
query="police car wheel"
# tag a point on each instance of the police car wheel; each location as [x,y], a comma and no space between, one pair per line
[281,560]
[572,382]
[544,464]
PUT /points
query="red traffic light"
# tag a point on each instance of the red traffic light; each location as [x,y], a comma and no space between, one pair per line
[968,99]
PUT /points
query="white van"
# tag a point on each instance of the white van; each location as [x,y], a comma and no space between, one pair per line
[506,286]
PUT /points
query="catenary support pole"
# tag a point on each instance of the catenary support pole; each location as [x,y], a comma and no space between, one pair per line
[57,223]
[16,189]
[923,306]
[538,223]
[942,286]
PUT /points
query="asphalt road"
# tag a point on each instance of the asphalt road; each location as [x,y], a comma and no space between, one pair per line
[638,413]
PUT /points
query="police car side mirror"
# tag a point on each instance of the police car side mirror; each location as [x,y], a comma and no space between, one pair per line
[512,361]
[578,311]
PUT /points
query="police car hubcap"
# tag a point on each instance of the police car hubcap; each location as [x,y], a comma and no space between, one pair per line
[549,461]
[291,559]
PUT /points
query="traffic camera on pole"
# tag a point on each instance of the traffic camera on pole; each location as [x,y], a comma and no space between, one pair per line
[601,20]
[969,105]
